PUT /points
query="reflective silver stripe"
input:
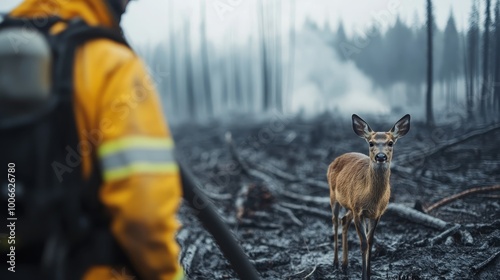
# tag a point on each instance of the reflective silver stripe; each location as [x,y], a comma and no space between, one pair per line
[137,155]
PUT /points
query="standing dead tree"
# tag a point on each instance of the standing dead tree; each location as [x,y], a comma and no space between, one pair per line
[266,82]
[207,85]
[472,57]
[191,100]
[278,57]
[486,45]
[496,81]
[451,57]
[173,63]
[429,112]
[291,59]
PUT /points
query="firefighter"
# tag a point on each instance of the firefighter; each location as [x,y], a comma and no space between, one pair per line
[123,133]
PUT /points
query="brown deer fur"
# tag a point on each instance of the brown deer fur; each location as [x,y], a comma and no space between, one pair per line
[360,184]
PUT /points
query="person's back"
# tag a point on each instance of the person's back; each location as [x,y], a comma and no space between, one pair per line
[123,134]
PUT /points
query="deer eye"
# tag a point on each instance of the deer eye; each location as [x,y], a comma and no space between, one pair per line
[390,143]
[371,143]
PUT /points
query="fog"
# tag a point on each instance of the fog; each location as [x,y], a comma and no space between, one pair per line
[309,57]
[323,82]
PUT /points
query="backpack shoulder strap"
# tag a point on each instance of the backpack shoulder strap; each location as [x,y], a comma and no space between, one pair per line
[101,243]
[66,44]
[42,25]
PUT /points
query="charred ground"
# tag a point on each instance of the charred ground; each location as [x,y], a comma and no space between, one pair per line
[267,180]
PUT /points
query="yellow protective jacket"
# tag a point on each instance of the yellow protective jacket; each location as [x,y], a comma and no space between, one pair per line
[120,121]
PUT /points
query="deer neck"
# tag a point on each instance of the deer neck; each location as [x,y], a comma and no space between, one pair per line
[379,175]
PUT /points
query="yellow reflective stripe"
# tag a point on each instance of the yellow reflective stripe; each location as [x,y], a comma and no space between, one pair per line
[139,168]
[133,142]
[179,275]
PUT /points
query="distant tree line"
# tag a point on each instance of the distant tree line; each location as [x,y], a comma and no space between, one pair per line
[205,82]
[400,56]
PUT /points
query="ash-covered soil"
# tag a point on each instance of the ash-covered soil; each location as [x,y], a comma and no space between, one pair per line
[269,184]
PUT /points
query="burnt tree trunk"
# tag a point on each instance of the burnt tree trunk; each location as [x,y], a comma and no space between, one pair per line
[472,56]
[173,65]
[278,54]
[266,89]
[429,112]
[291,61]
[207,85]
[225,83]
[497,59]
[238,88]
[466,76]
[189,74]
[486,44]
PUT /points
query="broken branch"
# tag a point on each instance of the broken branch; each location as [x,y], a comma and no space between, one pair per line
[290,214]
[460,139]
[440,237]
[309,210]
[306,198]
[483,264]
[452,198]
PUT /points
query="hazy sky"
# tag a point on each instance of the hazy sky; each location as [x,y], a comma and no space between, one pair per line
[147,20]
[238,17]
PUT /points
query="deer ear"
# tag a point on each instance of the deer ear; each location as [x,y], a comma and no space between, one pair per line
[401,127]
[360,127]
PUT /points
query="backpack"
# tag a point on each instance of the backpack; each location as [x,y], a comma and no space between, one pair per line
[56,227]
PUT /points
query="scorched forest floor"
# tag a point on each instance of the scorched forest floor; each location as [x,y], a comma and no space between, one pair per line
[268,181]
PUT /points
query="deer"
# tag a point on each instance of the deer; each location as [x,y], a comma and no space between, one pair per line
[360,184]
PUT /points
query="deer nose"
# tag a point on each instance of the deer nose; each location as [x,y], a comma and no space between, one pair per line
[381,157]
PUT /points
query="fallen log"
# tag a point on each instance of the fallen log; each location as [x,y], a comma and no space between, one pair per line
[277,172]
[272,170]
[478,267]
[310,210]
[306,198]
[250,223]
[443,235]
[290,214]
[394,208]
[455,141]
[271,182]
[454,197]
[416,216]
[463,211]
[217,196]
[483,228]
[311,273]
[440,237]
[234,154]
[206,213]
[267,263]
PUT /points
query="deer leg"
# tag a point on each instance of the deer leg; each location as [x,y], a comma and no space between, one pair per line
[346,222]
[335,220]
[373,226]
[360,228]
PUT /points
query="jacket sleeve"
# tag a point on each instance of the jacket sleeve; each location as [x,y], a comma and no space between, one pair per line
[141,188]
